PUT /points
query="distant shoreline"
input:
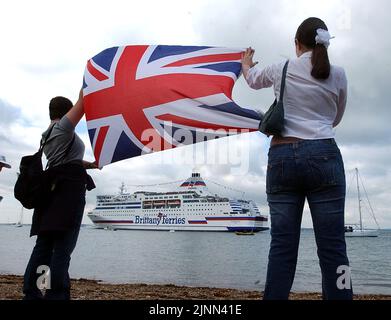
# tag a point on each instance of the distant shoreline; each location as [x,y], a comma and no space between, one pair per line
[83,289]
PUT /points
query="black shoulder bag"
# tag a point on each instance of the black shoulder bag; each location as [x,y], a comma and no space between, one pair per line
[31,187]
[272,123]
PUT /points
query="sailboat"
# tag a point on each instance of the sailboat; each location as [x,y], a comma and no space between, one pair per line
[358,230]
[20,222]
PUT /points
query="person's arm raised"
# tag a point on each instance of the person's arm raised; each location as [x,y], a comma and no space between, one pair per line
[76,113]
[247,60]
[256,78]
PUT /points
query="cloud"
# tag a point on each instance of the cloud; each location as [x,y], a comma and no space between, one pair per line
[8,114]
[44,69]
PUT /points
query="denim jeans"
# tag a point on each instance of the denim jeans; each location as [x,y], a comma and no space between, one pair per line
[311,170]
[52,249]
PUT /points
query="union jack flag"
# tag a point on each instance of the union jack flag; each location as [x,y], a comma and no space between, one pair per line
[128,90]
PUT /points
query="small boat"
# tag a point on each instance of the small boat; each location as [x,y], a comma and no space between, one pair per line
[245,233]
[354,231]
[358,230]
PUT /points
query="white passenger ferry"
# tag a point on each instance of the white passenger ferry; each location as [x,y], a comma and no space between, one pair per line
[191,208]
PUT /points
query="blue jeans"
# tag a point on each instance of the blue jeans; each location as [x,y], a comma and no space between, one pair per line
[311,170]
[52,249]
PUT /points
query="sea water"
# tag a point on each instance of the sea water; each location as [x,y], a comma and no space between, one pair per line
[209,259]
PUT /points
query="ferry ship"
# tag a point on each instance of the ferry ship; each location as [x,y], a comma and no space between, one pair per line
[191,208]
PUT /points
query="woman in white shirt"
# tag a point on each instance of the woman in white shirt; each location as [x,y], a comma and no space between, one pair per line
[305,162]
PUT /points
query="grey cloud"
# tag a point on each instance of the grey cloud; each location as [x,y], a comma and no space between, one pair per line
[367,118]
[368,68]
[8,114]
[4,138]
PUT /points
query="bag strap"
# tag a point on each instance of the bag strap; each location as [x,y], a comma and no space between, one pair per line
[282,89]
[43,142]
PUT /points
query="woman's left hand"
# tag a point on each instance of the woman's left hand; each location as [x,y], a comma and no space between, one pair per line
[247,58]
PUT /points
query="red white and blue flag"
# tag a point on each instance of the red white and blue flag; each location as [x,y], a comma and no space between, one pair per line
[133,91]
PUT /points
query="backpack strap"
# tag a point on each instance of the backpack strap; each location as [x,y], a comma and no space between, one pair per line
[44,141]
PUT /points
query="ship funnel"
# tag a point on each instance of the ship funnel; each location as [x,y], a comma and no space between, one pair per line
[195,183]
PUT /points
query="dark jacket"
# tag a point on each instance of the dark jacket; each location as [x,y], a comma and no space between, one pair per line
[65,200]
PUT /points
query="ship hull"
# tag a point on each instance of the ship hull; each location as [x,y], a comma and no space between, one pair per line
[215,224]
[362,234]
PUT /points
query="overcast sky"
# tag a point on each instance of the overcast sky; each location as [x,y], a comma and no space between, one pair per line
[45,45]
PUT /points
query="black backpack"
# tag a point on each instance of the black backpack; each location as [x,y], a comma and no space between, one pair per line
[32,186]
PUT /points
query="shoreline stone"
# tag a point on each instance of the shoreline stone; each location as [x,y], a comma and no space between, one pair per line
[83,289]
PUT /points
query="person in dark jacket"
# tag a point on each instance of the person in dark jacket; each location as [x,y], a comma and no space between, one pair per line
[57,222]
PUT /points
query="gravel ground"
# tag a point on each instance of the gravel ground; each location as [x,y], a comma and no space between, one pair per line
[11,289]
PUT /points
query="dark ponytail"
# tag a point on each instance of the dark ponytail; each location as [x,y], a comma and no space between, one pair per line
[306,34]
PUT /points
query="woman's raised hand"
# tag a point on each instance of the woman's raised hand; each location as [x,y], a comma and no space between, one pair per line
[247,58]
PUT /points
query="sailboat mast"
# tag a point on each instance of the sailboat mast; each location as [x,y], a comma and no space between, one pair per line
[20,221]
[359,199]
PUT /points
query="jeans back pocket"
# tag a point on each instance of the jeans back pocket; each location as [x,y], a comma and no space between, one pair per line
[281,176]
[326,170]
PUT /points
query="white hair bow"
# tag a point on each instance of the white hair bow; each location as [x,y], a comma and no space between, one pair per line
[323,37]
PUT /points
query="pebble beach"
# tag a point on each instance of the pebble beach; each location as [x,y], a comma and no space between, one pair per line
[82,289]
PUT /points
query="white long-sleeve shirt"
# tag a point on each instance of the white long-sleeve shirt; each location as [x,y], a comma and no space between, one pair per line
[312,107]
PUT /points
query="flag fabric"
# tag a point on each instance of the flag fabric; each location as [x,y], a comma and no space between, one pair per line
[142,99]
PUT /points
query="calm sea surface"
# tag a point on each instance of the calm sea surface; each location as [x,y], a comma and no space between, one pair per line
[199,258]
